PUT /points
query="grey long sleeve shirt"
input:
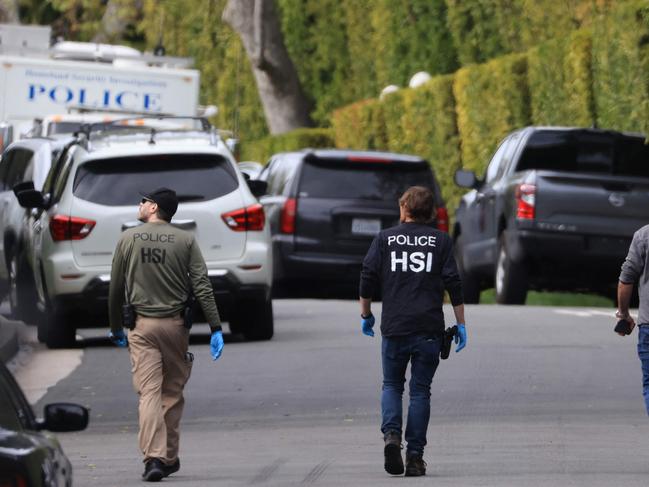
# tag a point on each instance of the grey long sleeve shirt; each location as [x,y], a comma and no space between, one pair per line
[635,270]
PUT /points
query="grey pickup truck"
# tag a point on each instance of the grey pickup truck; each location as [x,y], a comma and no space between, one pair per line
[556,210]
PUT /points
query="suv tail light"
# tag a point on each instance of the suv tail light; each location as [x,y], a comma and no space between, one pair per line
[250,219]
[63,227]
[442,219]
[525,201]
[287,217]
[13,480]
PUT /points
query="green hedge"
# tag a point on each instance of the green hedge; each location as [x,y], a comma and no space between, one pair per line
[492,99]
[621,67]
[360,126]
[430,131]
[261,150]
[561,82]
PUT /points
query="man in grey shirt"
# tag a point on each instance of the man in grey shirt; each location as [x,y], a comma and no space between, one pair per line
[635,270]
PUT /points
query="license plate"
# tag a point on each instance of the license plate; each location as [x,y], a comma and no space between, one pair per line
[366,226]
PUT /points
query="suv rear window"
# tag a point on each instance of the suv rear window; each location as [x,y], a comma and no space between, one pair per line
[344,180]
[586,151]
[118,181]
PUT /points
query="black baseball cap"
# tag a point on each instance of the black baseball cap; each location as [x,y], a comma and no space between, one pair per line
[165,198]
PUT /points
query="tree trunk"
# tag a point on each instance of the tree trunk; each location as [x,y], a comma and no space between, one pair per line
[285,105]
[9,12]
[116,20]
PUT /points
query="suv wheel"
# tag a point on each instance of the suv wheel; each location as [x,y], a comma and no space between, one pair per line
[22,292]
[254,320]
[470,283]
[511,278]
[55,328]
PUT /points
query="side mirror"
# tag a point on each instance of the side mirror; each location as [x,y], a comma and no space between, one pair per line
[24,186]
[31,198]
[466,179]
[257,187]
[61,417]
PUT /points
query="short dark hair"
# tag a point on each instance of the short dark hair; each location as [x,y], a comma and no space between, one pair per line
[163,215]
[419,204]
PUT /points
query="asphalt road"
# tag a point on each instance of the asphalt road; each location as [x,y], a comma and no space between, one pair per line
[540,396]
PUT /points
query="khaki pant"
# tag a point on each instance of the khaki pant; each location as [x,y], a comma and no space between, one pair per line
[158,348]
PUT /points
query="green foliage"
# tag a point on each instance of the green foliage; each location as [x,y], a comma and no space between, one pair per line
[194,28]
[261,150]
[537,298]
[492,99]
[360,126]
[410,36]
[560,80]
[430,131]
[621,67]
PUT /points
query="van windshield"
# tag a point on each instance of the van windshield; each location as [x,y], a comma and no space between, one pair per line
[119,181]
[369,181]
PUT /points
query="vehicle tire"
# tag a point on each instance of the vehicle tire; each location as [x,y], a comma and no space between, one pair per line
[254,320]
[22,292]
[510,280]
[56,329]
[470,282]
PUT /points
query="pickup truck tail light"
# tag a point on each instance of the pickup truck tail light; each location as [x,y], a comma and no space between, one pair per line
[287,217]
[525,201]
[250,219]
[63,227]
[442,219]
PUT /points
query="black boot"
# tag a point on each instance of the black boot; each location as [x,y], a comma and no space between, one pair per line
[415,465]
[153,470]
[392,451]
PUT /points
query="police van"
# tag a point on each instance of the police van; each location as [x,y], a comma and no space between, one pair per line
[37,80]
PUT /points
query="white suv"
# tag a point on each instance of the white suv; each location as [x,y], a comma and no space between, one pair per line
[91,196]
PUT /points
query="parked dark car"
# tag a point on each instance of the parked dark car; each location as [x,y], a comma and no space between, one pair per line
[30,457]
[326,206]
[555,210]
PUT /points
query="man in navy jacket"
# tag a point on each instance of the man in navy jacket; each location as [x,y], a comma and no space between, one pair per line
[411,265]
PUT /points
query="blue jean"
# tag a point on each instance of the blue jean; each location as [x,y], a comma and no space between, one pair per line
[643,353]
[423,354]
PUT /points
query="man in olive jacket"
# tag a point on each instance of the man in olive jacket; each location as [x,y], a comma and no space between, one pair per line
[155,269]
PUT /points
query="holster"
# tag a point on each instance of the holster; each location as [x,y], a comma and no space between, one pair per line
[447,340]
[128,316]
[188,312]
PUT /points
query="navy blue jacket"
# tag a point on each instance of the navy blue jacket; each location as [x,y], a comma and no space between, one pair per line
[411,264]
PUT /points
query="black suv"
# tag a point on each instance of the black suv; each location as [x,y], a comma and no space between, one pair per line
[326,206]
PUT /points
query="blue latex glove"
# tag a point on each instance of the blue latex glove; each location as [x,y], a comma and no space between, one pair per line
[460,337]
[367,324]
[216,344]
[118,338]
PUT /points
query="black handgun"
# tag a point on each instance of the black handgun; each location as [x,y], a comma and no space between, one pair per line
[624,327]
[188,311]
[128,316]
[447,340]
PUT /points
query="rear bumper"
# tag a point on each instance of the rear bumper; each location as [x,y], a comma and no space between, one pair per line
[568,261]
[297,266]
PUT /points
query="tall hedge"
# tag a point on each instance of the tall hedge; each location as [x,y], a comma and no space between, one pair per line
[561,81]
[360,126]
[410,36]
[621,66]
[492,99]
[430,131]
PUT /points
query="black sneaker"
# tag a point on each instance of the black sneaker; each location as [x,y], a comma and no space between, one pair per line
[393,462]
[415,465]
[153,470]
[173,468]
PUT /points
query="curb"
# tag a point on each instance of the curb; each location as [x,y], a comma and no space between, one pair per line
[10,332]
